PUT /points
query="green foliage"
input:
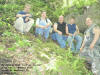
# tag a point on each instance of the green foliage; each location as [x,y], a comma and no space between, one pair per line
[22,43]
[71,65]
[7,33]
[52,59]
[2,48]
[13,48]
[12,69]
[54,8]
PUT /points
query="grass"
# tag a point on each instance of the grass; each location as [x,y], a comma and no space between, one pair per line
[47,57]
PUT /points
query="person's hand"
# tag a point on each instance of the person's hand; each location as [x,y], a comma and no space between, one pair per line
[23,15]
[81,49]
[26,19]
[75,34]
[47,26]
[91,46]
[59,32]
[43,27]
[70,34]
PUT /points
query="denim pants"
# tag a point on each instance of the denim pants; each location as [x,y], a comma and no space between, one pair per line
[61,39]
[43,32]
[78,42]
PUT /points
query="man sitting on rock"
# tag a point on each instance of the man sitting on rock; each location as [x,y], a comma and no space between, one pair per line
[73,31]
[24,20]
[59,34]
[90,49]
[43,26]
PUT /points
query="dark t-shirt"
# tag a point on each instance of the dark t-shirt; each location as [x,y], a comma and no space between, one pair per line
[62,27]
[71,28]
[23,13]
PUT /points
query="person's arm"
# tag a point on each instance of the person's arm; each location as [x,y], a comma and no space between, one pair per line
[29,15]
[55,29]
[49,23]
[96,32]
[83,44]
[37,24]
[77,30]
[67,33]
[20,15]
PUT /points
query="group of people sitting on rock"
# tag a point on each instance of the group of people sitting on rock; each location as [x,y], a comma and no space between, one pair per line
[63,33]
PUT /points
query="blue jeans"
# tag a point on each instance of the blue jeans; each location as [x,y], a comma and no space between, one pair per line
[61,39]
[43,32]
[78,42]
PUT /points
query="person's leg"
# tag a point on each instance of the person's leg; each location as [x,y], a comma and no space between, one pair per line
[87,54]
[64,37]
[70,43]
[28,25]
[96,60]
[53,36]
[19,23]
[78,42]
[38,31]
[46,33]
[96,66]
[60,40]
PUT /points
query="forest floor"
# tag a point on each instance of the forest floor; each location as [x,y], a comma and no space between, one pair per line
[24,54]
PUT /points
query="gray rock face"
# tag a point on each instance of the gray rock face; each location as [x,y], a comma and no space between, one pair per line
[92,12]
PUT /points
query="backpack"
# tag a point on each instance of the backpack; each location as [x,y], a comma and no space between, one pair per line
[46,20]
